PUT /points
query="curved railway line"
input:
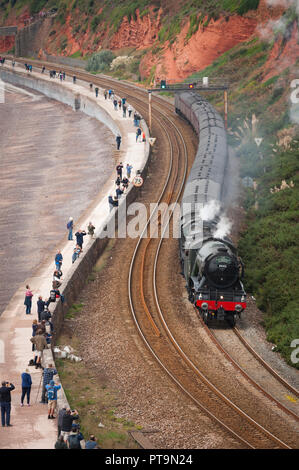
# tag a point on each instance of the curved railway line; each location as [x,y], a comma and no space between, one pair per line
[144,294]
[224,349]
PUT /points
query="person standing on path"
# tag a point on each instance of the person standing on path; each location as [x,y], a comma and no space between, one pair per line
[61,414]
[118,141]
[40,306]
[26,387]
[138,133]
[34,330]
[129,169]
[130,110]
[5,402]
[52,390]
[67,421]
[58,260]
[79,237]
[70,226]
[119,170]
[96,91]
[91,229]
[28,300]
[48,375]
[40,343]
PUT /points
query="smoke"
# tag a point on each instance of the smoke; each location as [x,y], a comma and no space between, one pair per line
[273,27]
[284,3]
[223,227]
[210,210]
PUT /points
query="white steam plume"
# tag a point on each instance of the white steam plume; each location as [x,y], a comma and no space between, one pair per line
[210,210]
[284,3]
[223,227]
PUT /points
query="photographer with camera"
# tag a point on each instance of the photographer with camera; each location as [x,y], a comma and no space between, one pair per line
[5,402]
[67,421]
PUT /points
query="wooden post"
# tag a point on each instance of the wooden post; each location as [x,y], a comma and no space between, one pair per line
[225,108]
[150,111]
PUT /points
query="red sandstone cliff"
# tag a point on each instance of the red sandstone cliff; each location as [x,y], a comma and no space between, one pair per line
[174,61]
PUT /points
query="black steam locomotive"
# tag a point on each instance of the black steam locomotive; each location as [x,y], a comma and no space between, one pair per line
[210,263]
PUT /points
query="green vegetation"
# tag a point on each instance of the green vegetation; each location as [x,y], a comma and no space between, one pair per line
[269,247]
[87,392]
[75,308]
[259,107]
[100,61]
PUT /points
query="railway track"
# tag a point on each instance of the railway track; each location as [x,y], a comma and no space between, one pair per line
[144,298]
[224,350]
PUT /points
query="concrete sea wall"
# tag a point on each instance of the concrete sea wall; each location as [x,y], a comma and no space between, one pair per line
[76,277]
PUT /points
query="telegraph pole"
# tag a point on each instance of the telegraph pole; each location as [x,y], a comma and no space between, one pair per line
[150,111]
[225,108]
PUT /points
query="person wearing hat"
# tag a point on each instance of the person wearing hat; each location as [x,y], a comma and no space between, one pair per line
[26,387]
[48,374]
[70,226]
[52,390]
[74,437]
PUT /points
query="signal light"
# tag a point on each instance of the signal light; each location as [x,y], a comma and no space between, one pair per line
[163,84]
[191,85]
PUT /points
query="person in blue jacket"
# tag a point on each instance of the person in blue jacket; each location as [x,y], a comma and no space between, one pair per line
[26,387]
[70,226]
[58,260]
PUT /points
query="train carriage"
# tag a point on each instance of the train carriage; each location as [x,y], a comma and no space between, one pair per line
[211,266]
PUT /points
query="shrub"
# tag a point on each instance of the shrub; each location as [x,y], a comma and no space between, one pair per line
[100,61]
[121,63]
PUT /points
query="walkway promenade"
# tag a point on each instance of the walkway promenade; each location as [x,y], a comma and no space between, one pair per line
[31,428]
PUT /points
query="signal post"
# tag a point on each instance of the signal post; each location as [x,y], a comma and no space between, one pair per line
[205,86]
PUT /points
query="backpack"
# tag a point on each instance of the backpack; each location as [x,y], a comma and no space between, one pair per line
[68,225]
[51,394]
[74,441]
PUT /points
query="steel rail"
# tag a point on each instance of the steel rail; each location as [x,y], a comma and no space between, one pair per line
[265,364]
[244,373]
[168,372]
[190,363]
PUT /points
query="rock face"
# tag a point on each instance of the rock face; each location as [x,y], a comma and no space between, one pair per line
[173,61]
[182,58]
[283,54]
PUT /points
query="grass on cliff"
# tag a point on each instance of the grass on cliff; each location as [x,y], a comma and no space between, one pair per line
[269,247]
[269,244]
[95,402]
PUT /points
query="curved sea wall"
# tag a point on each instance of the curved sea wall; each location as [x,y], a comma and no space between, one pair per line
[76,276]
